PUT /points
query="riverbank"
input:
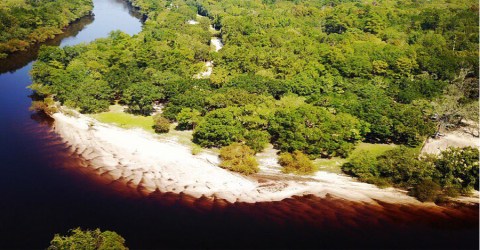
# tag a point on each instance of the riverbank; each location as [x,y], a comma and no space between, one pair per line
[151,164]
[17,42]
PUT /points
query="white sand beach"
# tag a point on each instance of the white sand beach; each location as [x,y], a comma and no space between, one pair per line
[149,163]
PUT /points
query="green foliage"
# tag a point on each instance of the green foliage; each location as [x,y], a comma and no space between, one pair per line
[73,82]
[228,97]
[399,166]
[426,190]
[88,240]
[313,76]
[239,158]
[388,120]
[188,94]
[363,166]
[93,97]
[219,128]
[315,131]
[23,23]
[188,119]
[409,90]
[46,105]
[458,168]
[257,140]
[140,98]
[454,171]
[161,124]
[402,167]
[259,85]
[296,162]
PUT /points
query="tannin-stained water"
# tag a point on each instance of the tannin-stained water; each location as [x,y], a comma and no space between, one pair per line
[46,189]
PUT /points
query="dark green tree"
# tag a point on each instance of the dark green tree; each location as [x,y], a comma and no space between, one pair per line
[141,97]
[220,127]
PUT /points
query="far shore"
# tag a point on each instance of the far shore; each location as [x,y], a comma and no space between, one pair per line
[150,163]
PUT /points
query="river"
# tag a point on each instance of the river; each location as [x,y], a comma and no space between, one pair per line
[45,189]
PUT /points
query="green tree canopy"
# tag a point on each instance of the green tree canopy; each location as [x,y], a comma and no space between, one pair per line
[88,240]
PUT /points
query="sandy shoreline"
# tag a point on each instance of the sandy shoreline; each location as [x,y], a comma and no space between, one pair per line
[456,138]
[148,163]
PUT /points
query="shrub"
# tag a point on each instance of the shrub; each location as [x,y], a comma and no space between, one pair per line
[88,239]
[458,167]
[400,167]
[296,162]
[426,190]
[451,191]
[161,124]
[454,172]
[239,158]
[47,105]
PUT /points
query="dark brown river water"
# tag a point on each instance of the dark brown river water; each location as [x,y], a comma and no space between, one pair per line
[45,189]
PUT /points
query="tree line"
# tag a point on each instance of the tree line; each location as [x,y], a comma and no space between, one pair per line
[25,22]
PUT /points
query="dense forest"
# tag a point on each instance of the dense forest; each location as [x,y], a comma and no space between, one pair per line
[310,77]
[24,22]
